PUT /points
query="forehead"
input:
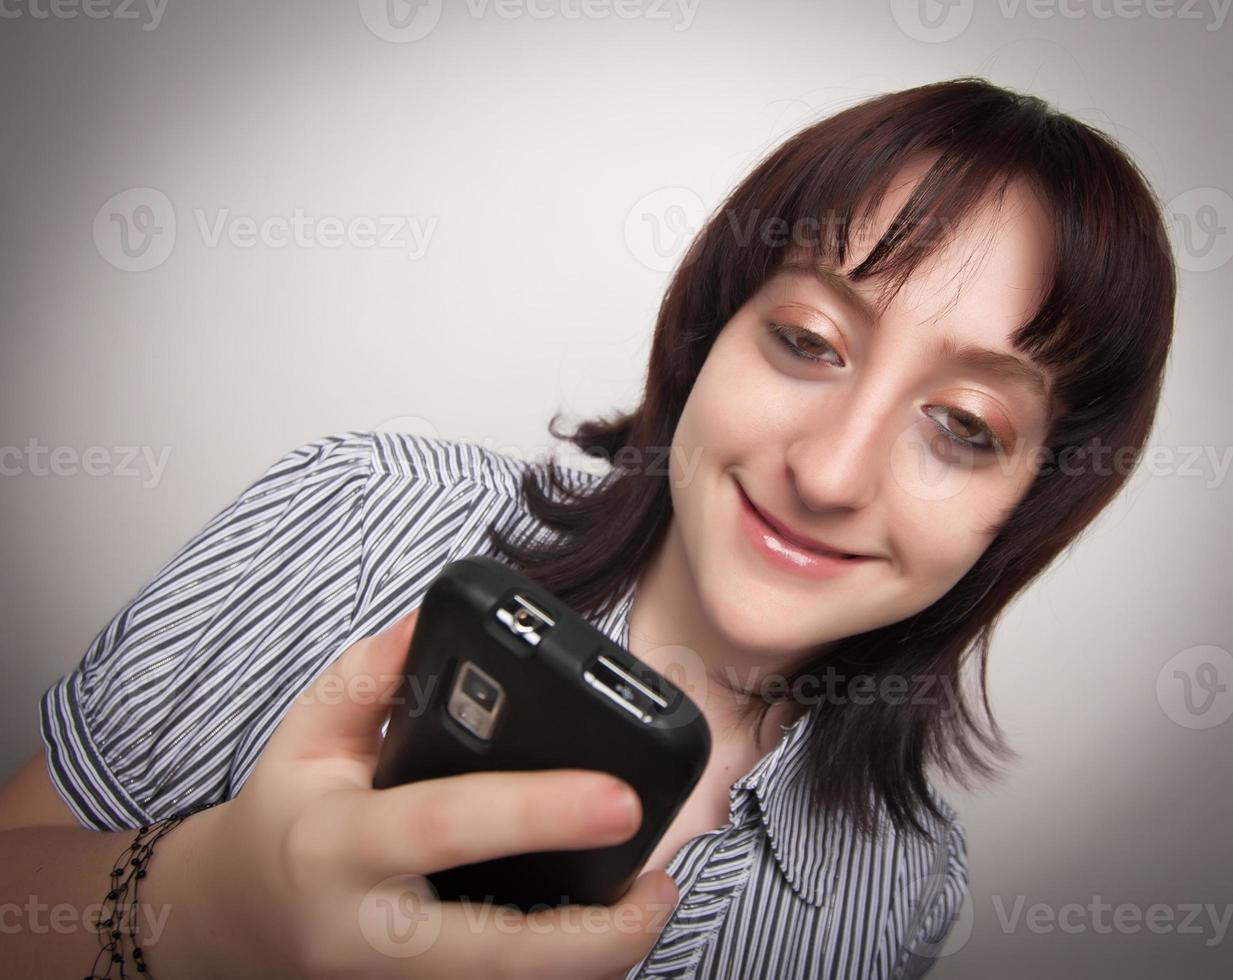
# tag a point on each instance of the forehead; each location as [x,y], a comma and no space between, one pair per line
[986,277]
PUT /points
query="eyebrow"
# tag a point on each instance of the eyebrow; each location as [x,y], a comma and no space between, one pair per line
[1000,364]
[996,363]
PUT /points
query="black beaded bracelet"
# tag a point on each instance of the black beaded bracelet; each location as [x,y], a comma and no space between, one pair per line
[117,919]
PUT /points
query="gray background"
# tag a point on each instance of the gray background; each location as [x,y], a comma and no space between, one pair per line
[555,165]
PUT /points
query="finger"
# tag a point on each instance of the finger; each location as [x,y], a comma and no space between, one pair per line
[567,942]
[341,711]
[433,824]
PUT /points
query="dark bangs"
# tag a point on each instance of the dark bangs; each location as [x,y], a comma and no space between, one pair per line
[1108,238]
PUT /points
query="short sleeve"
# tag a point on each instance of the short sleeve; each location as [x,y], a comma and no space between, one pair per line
[151,717]
[943,892]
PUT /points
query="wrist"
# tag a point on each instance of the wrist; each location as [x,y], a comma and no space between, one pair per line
[177,928]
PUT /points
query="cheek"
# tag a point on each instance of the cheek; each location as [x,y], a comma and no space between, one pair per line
[940,540]
[706,420]
[738,402]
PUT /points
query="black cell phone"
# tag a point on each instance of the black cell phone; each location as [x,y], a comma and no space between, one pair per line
[501,675]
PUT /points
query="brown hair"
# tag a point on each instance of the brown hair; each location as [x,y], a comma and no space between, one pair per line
[1102,330]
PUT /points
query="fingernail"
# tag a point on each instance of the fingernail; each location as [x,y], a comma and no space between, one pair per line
[615,807]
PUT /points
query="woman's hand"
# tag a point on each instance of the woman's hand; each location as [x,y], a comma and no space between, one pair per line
[310,872]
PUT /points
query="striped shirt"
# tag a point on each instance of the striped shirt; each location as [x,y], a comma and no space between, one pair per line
[176,696]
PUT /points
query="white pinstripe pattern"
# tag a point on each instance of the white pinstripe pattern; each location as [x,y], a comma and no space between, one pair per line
[178,693]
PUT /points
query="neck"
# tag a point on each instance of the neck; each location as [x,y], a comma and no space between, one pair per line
[669,629]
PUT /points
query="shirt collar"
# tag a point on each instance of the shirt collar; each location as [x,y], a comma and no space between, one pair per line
[806,847]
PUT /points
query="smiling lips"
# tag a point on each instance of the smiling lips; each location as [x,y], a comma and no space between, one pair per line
[789,550]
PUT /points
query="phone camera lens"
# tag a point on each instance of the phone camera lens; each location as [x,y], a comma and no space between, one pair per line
[525,621]
[523,618]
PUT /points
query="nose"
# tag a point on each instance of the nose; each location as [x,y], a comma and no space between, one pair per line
[837,462]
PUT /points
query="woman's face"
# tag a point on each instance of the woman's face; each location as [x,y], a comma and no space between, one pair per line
[852,445]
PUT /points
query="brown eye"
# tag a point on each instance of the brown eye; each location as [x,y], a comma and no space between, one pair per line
[964,426]
[804,344]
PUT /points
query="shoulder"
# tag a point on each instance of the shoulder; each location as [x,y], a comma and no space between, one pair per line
[931,887]
[432,499]
[448,461]
[337,456]
[945,849]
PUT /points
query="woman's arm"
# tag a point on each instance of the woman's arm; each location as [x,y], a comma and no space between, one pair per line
[56,873]
[945,890]
[29,799]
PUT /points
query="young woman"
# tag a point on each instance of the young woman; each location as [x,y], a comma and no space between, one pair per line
[912,355]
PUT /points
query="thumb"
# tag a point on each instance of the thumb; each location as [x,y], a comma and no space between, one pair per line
[340,713]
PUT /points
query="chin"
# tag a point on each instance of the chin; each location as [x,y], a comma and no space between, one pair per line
[744,622]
